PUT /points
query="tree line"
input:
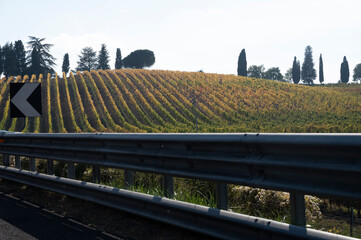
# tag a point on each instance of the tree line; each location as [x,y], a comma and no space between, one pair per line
[15,60]
[89,60]
[307,73]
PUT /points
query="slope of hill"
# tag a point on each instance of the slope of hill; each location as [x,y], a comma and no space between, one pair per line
[168,101]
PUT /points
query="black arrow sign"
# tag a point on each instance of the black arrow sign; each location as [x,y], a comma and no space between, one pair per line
[25,100]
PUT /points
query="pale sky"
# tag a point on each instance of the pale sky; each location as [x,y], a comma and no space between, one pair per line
[191,35]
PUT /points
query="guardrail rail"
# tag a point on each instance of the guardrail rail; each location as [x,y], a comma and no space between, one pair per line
[325,165]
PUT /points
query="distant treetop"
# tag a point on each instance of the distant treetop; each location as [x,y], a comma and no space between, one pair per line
[103,58]
[118,59]
[139,59]
[321,78]
[255,71]
[87,60]
[66,64]
[273,73]
[242,64]
[345,72]
[357,73]
[308,71]
[296,71]
[39,59]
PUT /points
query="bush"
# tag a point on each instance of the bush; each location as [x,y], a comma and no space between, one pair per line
[269,204]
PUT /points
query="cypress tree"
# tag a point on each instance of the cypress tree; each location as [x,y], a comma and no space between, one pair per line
[296,71]
[66,64]
[1,61]
[299,70]
[345,72]
[118,60]
[242,64]
[20,56]
[308,71]
[103,58]
[35,61]
[321,70]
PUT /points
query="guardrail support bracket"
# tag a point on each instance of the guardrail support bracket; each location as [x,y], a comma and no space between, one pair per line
[71,170]
[168,186]
[32,165]
[297,203]
[222,195]
[128,179]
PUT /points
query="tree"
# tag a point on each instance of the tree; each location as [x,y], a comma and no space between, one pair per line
[308,71]
[345,72]
[273,73]
[139,59]
[118,60]
[288,76]
[1,62]
[321,70]
[255,71]
[9,60]
[357,73]
[35,67]
[20,56]
[87,60]
[103,58]
[66,64]
[296,71]
[242,64]
[40,61]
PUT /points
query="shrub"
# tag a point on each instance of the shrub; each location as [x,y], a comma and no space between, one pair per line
[269,204]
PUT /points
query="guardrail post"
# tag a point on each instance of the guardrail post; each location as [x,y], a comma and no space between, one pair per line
[222,195]
[168,186]
[50,166]
[96,174]
[71,170]
[6,161]
[17,162]
[128,179]
[297,202]
[351,222]
[32,165]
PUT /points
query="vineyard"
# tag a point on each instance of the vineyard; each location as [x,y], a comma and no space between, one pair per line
[130,100]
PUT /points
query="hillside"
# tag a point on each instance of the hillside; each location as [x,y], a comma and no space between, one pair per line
[169,101]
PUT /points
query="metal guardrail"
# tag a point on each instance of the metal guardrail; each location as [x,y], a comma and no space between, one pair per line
[327,165]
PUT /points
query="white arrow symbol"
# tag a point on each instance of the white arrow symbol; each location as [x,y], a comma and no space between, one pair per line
[20,100]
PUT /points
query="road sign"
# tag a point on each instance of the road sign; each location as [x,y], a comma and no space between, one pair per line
[25,100]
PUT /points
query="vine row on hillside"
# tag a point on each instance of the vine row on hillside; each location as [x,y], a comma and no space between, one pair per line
[133,100]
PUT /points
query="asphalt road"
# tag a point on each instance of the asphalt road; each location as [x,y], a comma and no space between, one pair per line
[20,219]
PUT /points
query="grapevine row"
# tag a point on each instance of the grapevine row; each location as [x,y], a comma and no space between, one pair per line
[66,106]
[81,118]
